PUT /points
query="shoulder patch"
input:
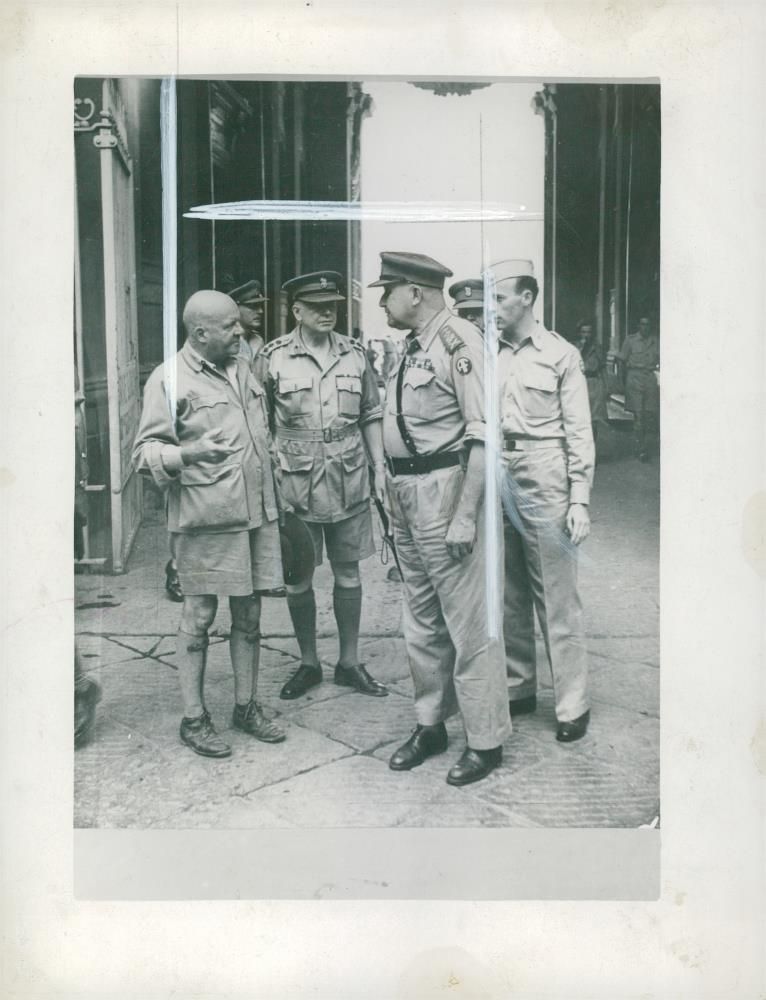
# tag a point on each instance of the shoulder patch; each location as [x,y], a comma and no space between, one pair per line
[452,341]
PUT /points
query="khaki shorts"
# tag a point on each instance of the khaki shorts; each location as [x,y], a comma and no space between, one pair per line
[348,540]
[228,564]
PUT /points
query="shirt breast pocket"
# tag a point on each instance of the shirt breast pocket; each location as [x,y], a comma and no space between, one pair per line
[256,398]
[349,388]
[539,389]
[205,411]
[417,388]
[295,395]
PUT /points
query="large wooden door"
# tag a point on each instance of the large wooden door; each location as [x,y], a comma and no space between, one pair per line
[120,324]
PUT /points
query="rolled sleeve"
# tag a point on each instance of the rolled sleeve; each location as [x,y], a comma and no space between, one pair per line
[468,379]
[575,410]
[156,451]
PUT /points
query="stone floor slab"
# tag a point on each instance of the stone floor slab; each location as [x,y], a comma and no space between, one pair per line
[357,791]
[358,720]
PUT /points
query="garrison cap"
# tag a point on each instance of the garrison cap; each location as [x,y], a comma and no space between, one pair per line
[468,294]
[319,286]
[396,268]
[297,548]
[249,293]
[506,269]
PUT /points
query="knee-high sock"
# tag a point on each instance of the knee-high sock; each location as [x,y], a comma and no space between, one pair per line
[347,605]
[303,612]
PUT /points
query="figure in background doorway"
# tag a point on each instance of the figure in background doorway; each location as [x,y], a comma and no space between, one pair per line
[639,362]
[595,374]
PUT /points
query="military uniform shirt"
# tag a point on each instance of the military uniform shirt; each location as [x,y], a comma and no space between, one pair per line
[544,396]
[232,495]
[442,389]
[642,353]
[324,480]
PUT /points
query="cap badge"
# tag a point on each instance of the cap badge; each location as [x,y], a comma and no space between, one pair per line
[323,282]
[468,291]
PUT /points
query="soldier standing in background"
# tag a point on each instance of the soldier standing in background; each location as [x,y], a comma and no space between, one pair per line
[639,361]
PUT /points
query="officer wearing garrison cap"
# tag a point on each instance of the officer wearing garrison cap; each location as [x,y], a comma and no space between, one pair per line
[325,410]
[548,458]
[251,300]
[468,300]
[433,430]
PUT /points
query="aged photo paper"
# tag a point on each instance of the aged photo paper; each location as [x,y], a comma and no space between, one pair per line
[397,910]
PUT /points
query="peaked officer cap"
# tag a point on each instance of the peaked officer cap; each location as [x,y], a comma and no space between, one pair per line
[468,294]
[319,286]
[249,293]
[297,549]
[396,268]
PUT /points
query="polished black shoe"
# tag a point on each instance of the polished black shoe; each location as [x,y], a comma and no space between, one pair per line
[568,732]
[173,584]
[523,706]
[304,678]
[358,679]
[474,765]
[426,741]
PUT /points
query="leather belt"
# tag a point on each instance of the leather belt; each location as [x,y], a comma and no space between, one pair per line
[325,434]
[511,443]
[420,464]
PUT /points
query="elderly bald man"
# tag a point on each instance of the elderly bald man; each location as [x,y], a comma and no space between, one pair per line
[204,440]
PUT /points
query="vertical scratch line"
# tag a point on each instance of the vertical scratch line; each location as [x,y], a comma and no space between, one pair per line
[168,164]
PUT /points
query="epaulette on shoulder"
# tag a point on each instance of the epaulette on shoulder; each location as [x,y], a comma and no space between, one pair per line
[268,349]
[356,344]
[452,341]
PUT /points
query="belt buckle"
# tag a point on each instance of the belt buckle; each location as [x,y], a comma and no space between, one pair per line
[510,444]
[327,435]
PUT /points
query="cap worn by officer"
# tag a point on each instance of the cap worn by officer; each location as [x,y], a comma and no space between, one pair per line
[467,294]
[319,286]
[503,270]
[297,548]
[411,268]
[251,293]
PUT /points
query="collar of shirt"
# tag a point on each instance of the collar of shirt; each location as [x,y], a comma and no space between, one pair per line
[198,363]
[534,337]
[298,346]
[425,336]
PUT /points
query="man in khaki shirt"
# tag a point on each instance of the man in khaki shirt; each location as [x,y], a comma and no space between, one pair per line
[548,459]
[639,361]
[434,427]
[204,439]
[325,411]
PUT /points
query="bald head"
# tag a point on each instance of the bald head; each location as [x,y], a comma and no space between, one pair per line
[211,321]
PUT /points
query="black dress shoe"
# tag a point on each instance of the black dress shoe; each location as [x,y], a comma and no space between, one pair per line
[358,678]
[523,706]
[474,765]
[173,584]
[568,732]
[426,741]
[304,678]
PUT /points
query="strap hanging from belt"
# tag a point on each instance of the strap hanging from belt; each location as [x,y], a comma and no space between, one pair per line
[409,444]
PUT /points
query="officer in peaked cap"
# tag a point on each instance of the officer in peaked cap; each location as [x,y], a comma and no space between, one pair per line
[250,299]
[325,412]
[433,432]
[548,458]
[468,300]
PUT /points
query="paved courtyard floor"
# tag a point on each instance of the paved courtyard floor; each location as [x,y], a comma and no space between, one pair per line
[332,771]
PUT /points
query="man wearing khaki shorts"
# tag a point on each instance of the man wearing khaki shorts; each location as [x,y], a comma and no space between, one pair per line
[326,414]
[204,439]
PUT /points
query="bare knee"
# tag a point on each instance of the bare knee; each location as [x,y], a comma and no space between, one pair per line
[198,614]
[346,574]
[246,615]
[301,586]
